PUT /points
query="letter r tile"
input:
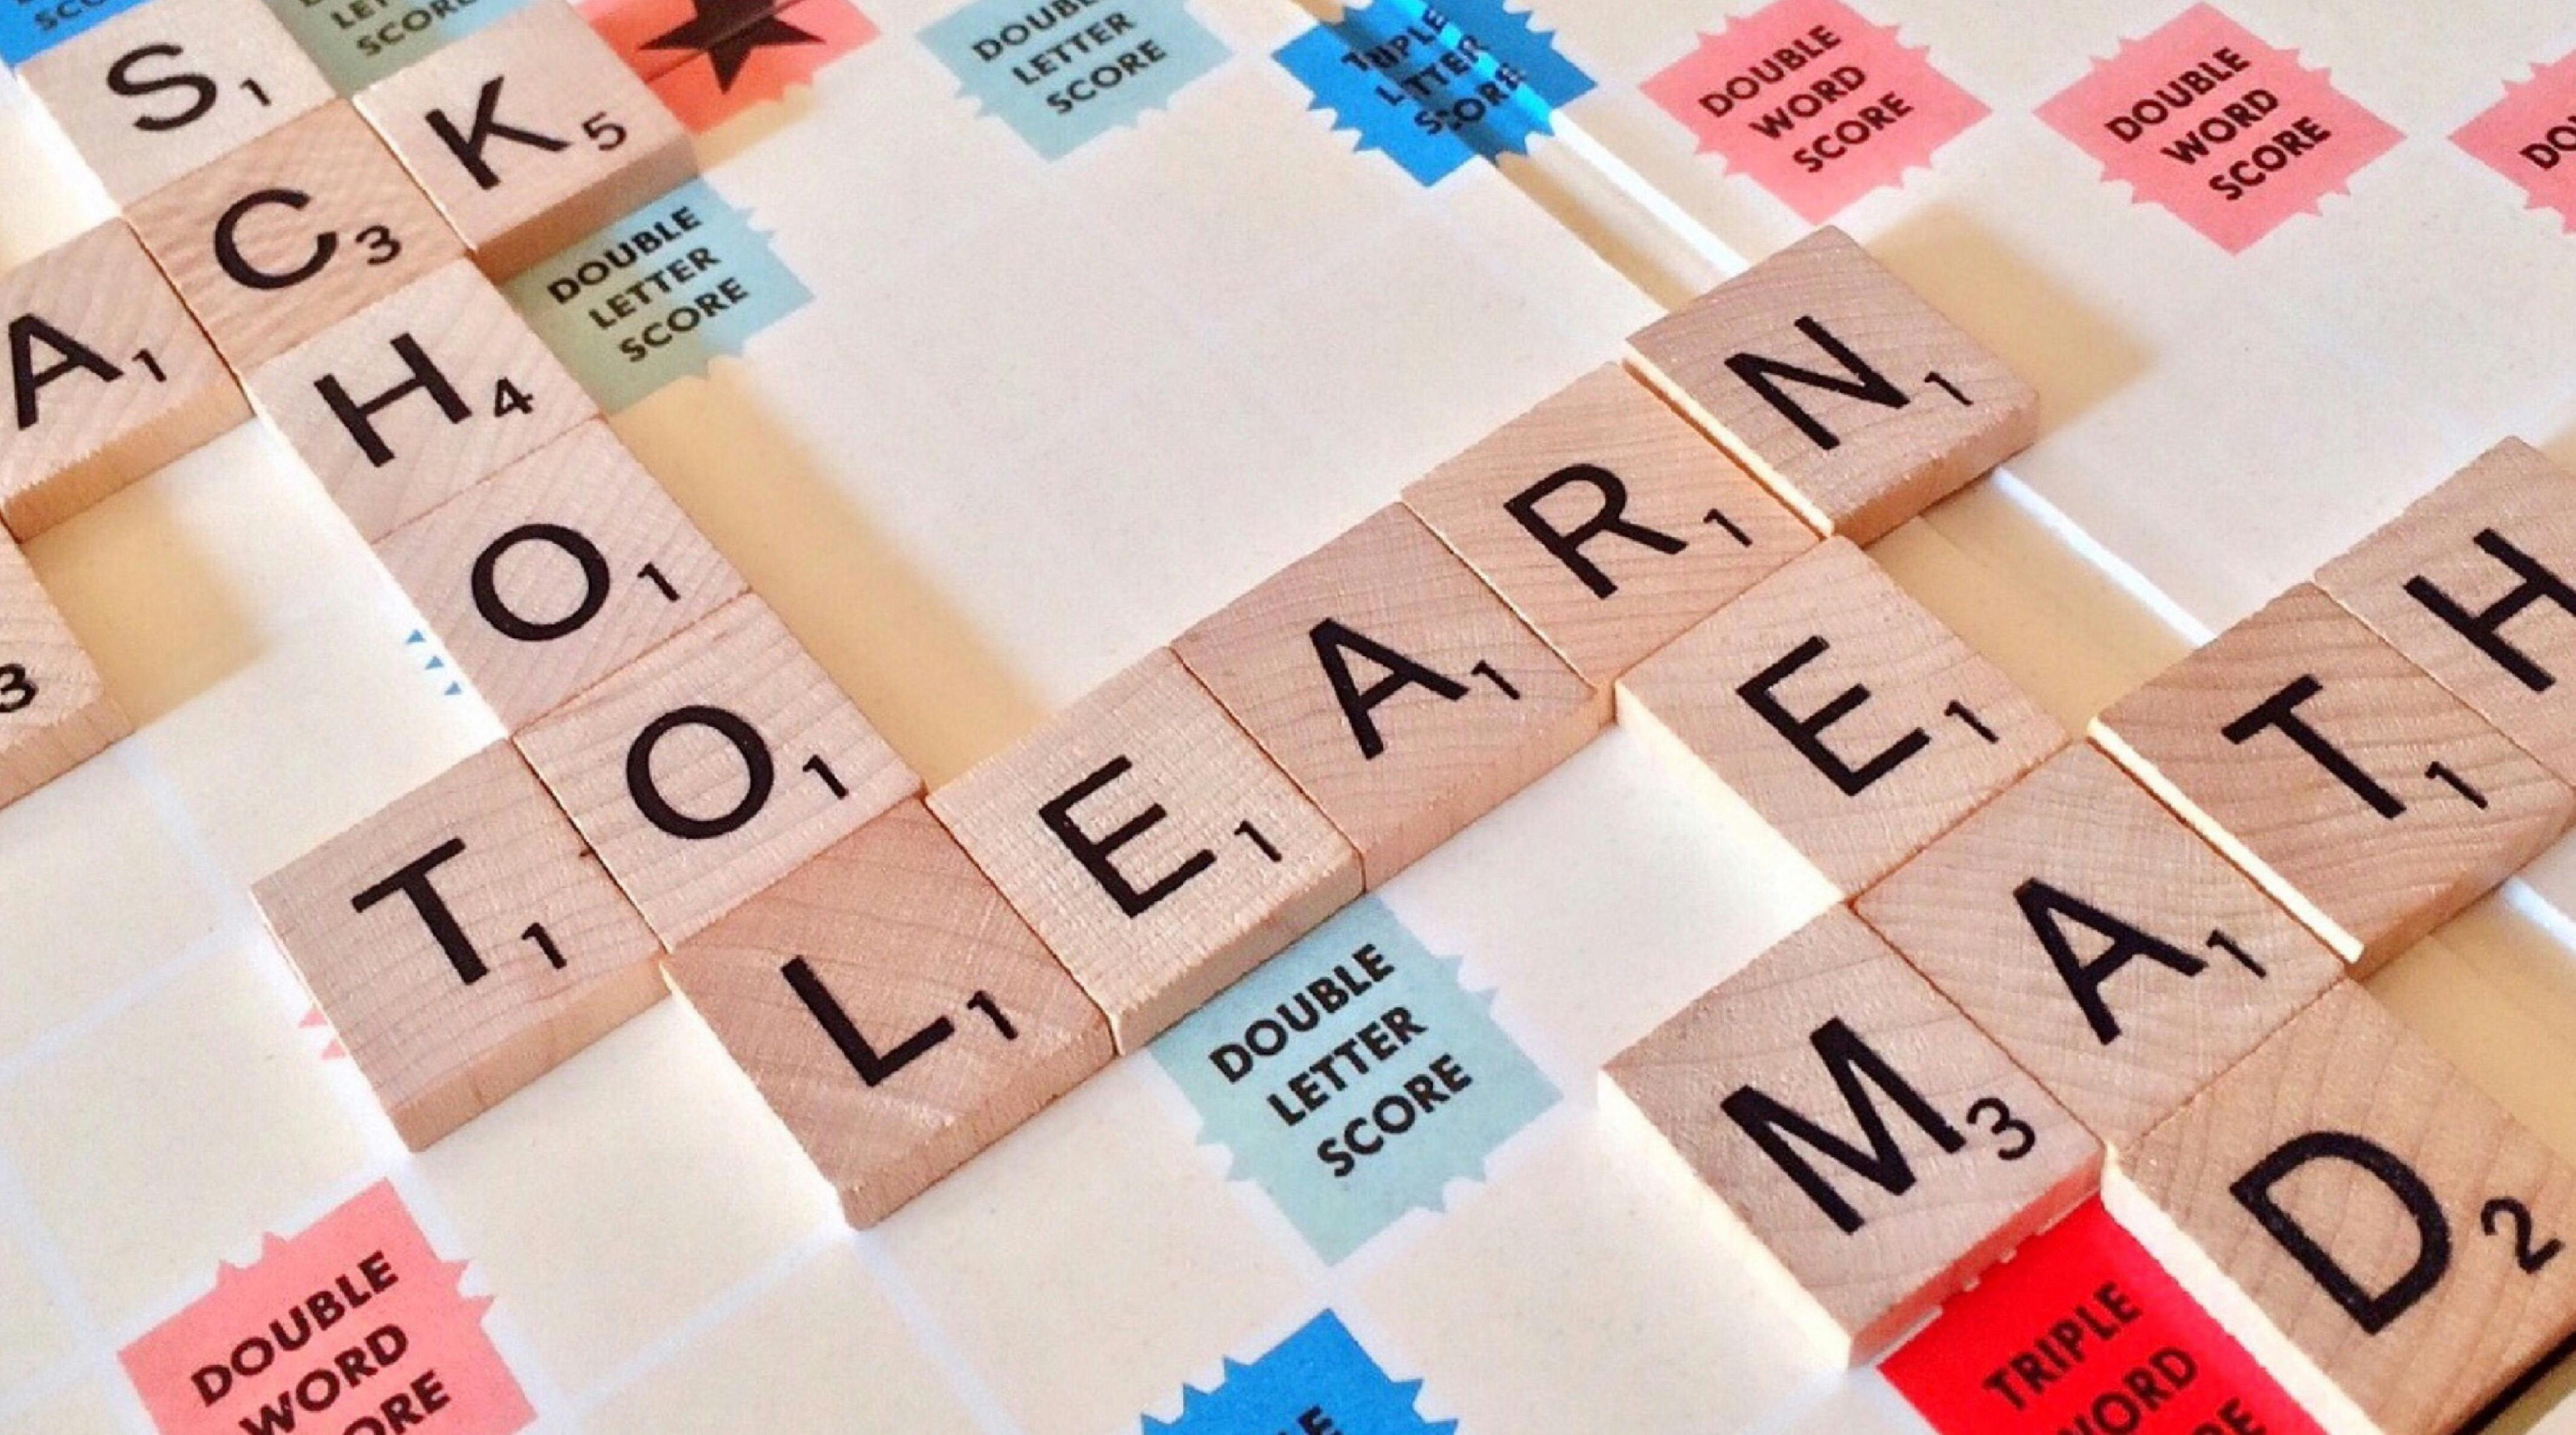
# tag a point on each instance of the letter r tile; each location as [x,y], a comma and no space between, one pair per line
[1853,1125]
[1850,718]
[2476,584]
[462,941]
[2372,1227]
[1152,846]
[1390,682]
[1838,386]
[2362,795]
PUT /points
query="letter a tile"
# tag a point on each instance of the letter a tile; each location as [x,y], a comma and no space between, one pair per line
[2361,794]
[1854,1126]
[109,378]
[54,711]
[2380,1234]
[1607,522]
[557,571]
[2105,946]
[406,404]
[892,1008]
[529,135]
[1850,718]
[1391,683]
[714,765]
[302,227]
[1857,402]
[1151,845]
[2476,584]
[462,942]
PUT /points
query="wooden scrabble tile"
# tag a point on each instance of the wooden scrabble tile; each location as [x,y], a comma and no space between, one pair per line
[1858,403]
[2101,943]
[2476,584]
[407,403]
[275,241]
[174,85]
[54,712]
[1859,1129]
[1607,522]
[2380,1234]
[462,942]
[2364,797]
[109,378]
[713,766]
[557,571]
[892,1008]
[529,135]
[1392,684]
[1849,717]
[1152,846]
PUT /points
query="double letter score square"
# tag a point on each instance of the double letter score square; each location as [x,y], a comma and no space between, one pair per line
[1607,522]
[529,135]
[1151,845]
[2362,795]
[1858,1129]
[1857,402]
[1847,716]
[462,942]
[714,765]
[892,1008]
[1391,683]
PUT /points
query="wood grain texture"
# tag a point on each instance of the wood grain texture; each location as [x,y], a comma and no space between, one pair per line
[964,1024]
[172,86]
[2364,797]
[1850,718]
[1151,845]
[108,375]
[2311,1142]
[1607,522]
[1838,386]
[2476,584]
[2097,939]
[1956,1184]
[713,766]
[542,954]
[1446,703]
[277,240]
[463,388]
[54,711]
[603,146]
[557,571]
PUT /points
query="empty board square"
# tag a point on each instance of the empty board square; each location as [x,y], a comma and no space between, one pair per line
[714,765]
[529,135]
[109,378]
[1607,522]
[406,404]
[54,710]
[275,241]
[1151,845]
[462,941]
[2116,956]
[2361,794]
[1391,683]
[163,90]
[1864,1134]
[1849,717]
[1838,386]
[2476,584]
[557,571]
[892,1008]
[2374,1229]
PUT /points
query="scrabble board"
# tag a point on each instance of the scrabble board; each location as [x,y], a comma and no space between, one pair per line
[977,372]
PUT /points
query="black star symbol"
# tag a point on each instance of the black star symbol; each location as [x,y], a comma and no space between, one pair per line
[728,31]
